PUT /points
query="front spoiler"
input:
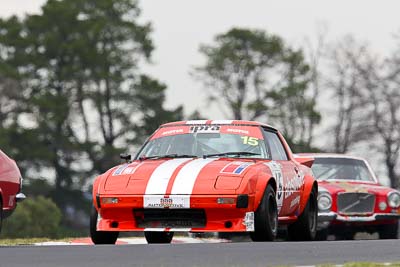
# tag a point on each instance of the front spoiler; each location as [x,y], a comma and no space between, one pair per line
[241,221]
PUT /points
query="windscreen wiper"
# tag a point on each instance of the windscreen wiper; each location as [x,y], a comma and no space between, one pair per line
[169,156]
[239,153]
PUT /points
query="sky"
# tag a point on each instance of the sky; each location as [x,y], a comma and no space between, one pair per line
[180,26]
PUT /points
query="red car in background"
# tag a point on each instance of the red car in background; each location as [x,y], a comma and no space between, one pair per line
[10,186]
[351,200]
[207,176]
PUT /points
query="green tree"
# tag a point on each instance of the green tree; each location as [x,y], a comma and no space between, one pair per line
[255,75]
[236,67]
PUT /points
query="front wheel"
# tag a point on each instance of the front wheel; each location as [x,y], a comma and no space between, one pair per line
[158,237]
[305,228]
[266,218]
[100,237]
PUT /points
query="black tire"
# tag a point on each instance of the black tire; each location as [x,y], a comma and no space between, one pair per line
[158,237]
[389,231]
[266,218]
[100,237]
[322,235]
[305,228]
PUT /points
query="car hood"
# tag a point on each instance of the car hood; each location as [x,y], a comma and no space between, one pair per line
[178,176]
[335,187]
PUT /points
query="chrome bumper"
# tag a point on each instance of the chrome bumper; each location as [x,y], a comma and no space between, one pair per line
[325,218]
[375,217]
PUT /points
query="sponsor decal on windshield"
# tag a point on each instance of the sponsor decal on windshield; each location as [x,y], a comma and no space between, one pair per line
[251,141]
[205,129]
[170,131]
[250,134]
[238,131]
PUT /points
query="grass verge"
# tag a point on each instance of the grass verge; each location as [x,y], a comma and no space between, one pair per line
[29,241]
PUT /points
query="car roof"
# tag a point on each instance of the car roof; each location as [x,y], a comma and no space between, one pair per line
[217,122]
[328,155]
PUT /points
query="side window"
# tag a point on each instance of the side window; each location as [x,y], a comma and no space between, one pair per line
[275,145]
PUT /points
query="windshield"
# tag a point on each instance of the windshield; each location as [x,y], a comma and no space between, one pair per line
[341,169]
[206,141]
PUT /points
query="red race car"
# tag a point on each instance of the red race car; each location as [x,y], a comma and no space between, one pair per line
[351,200]
[207,176]
[10,186]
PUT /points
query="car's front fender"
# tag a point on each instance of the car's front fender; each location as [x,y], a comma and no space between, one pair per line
[262,183]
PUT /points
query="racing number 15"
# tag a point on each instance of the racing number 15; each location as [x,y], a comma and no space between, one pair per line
[251,141]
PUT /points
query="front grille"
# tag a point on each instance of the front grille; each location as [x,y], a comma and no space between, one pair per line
[355,203]
[170,218]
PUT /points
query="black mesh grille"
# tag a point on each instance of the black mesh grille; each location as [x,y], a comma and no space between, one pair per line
[170,218]
[355,203]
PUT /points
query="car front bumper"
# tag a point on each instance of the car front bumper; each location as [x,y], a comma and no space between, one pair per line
[200,213]
[326,218]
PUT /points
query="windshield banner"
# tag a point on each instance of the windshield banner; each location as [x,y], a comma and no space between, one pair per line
[250,131]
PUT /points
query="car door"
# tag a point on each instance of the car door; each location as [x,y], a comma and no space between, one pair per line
[286,173]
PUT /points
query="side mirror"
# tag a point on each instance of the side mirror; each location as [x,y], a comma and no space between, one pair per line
[305,161]
[126,157]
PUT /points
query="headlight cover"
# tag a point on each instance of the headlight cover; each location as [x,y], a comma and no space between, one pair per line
[324,201]
[393,199]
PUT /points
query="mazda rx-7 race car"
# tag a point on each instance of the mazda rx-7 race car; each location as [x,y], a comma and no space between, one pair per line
[207,176]
[351,200]
[10,186]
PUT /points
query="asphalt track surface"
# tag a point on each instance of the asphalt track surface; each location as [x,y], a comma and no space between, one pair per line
[220,254]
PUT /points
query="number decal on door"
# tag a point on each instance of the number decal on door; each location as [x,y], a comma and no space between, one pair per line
[276,170]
